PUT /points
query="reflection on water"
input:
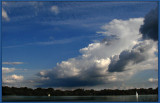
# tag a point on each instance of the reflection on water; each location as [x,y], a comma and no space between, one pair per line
[128,98]
[136,98]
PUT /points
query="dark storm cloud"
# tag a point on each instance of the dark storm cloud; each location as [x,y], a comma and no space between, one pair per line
[85,79]
[68,82]
[136,55]
[124,58]
[149,29]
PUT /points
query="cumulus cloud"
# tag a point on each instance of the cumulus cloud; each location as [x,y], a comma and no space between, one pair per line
[12,79]
[5,15]
[55,9]
[16,77]
[121,46]
[150,27]
[139,53]
[71,73]
[124,33]
[12,63]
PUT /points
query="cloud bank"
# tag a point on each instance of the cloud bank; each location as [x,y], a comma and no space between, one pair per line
[120,54]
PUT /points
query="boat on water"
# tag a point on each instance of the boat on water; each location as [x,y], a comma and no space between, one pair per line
[136,94]
[49,95]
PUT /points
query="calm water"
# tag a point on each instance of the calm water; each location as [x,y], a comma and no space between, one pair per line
[130,98]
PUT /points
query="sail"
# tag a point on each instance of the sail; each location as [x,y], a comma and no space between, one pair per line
[136,94]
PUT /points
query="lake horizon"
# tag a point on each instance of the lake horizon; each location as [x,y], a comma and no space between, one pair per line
[117,98]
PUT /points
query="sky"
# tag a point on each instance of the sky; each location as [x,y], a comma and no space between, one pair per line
[90,45]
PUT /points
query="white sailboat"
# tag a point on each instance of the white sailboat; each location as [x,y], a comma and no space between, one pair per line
[136,94]
[49,95]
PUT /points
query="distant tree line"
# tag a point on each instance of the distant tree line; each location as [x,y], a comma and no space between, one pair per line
[24,91]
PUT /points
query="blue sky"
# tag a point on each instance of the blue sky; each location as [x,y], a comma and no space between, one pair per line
[42,34]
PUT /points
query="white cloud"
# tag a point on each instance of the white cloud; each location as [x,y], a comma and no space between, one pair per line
[12,63]
[16,77]
[7,70]
[43,78]
[152,80]
[126,34]
[5,15]
[55,9]
[12,79]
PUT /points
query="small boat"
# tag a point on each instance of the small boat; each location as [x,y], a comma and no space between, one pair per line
[49,95]
[136,94]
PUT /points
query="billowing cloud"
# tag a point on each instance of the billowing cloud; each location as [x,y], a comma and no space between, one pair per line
[150,27]
[139,53]
[71,73]
[12,63]
[5,15]
[55,9]
[121,46]
[123,34]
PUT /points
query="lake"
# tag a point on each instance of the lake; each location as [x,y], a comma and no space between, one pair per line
[120,98]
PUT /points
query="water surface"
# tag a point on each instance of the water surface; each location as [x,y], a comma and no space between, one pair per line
[120,98]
